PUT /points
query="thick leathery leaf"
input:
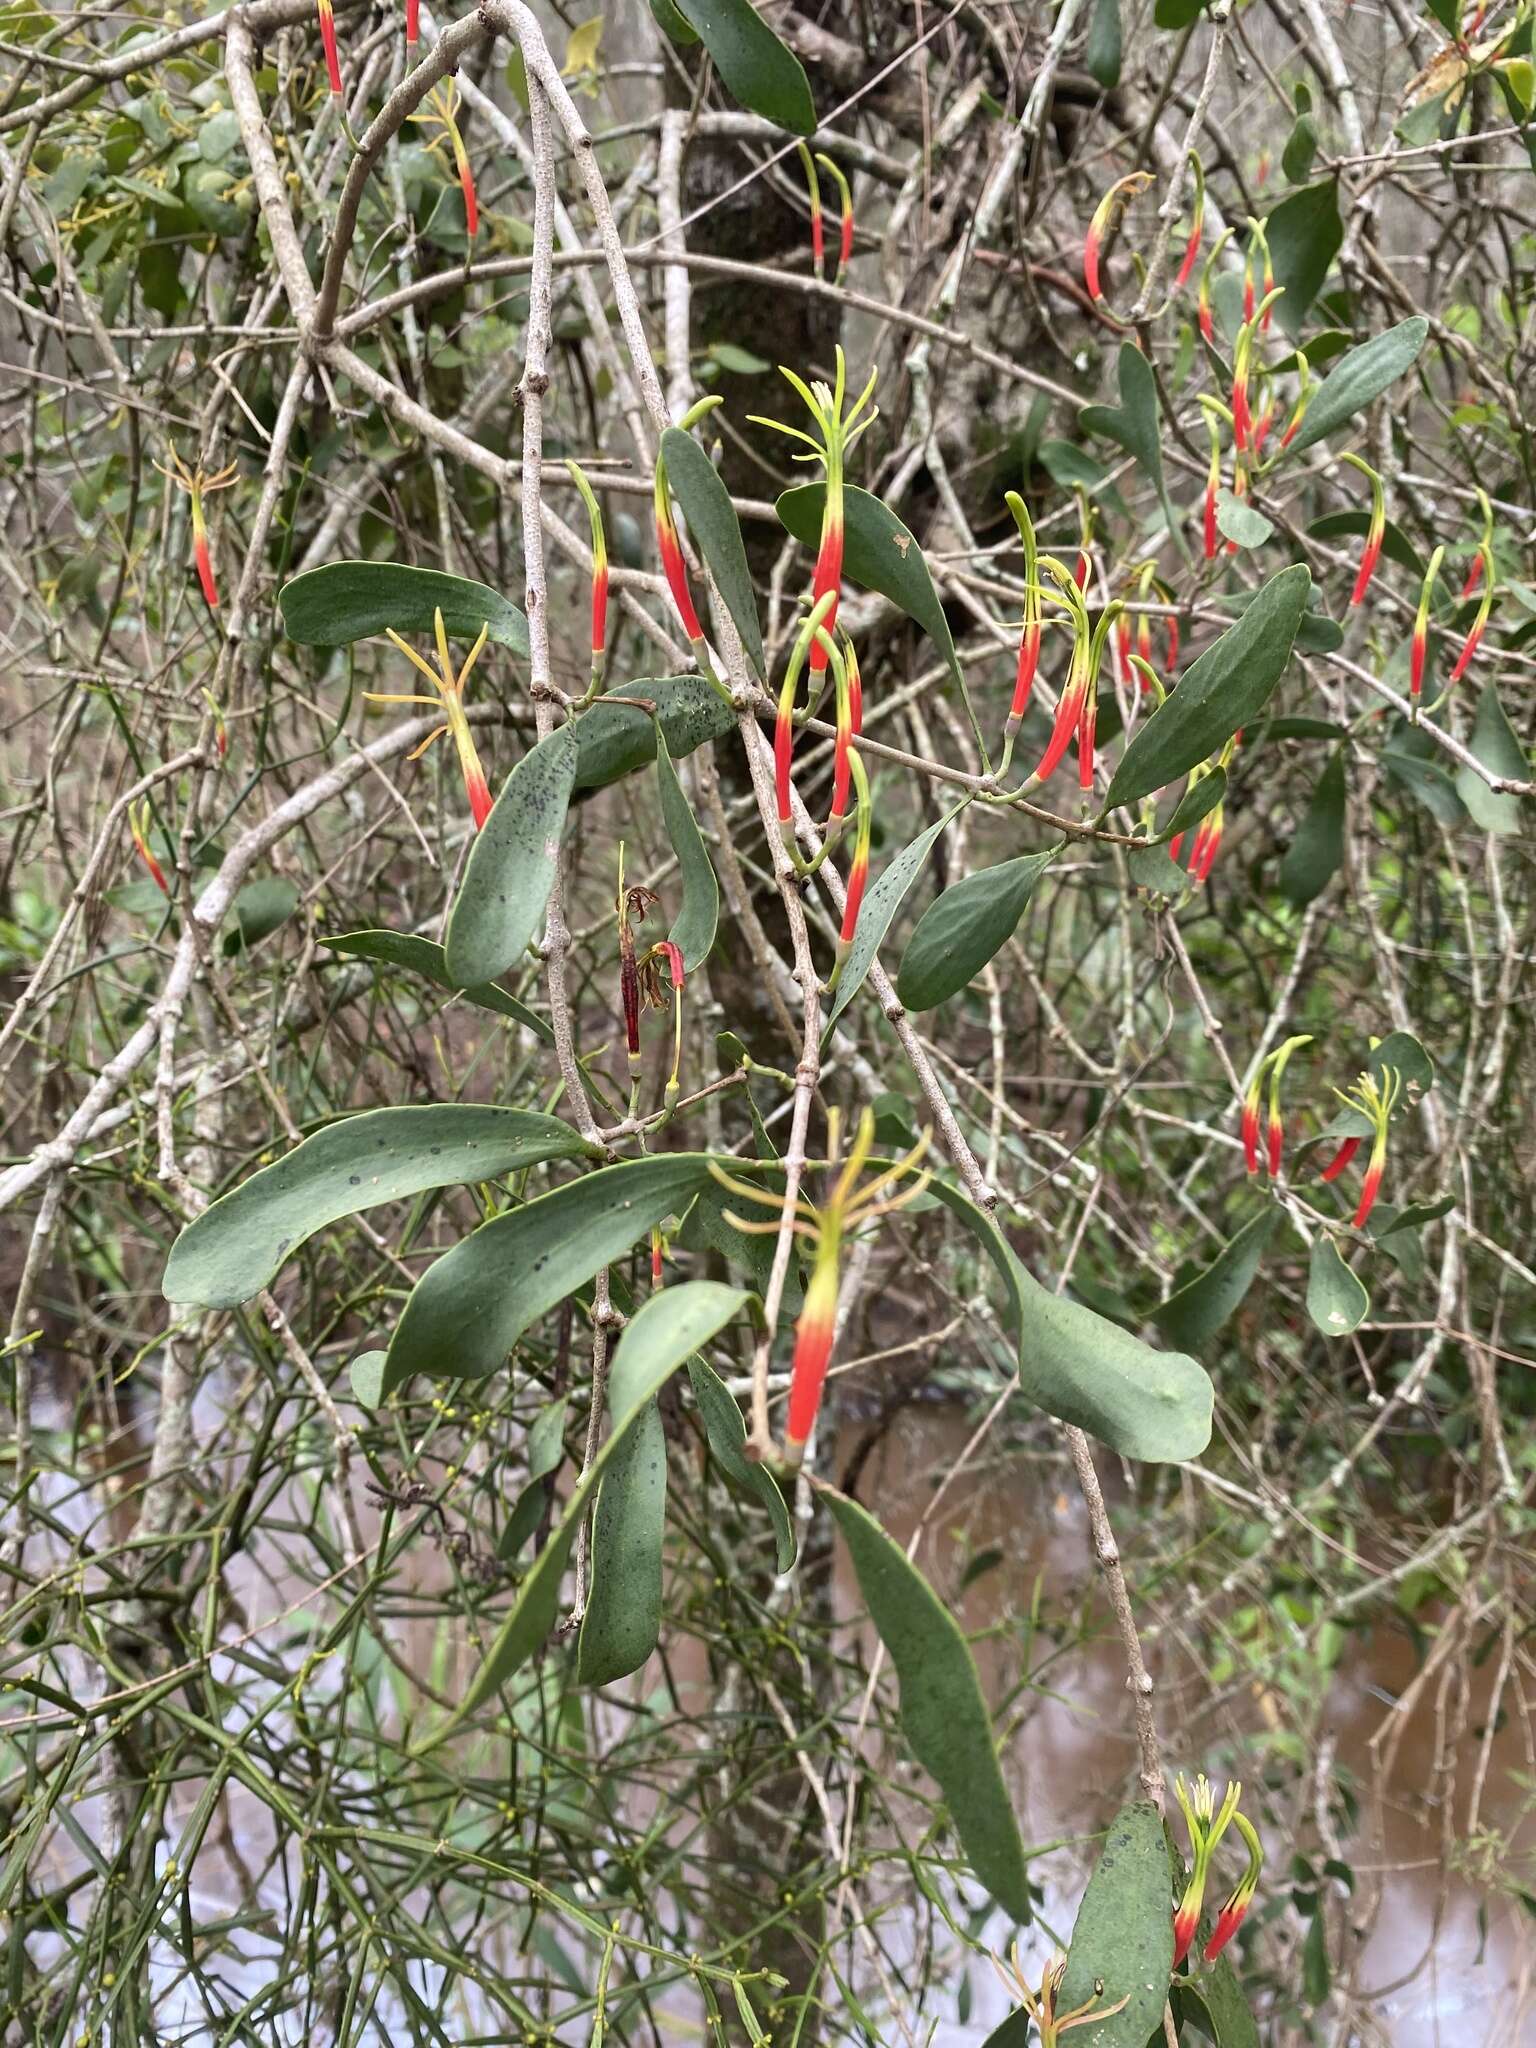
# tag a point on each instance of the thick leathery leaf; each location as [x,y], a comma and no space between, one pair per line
[661,1336]
[727,1433]
[1336,1301]
[1134,421]
[468,1309]
[716,533]
[757,69]
[512,865]
[1354,523]
[1414,1217]
[1305,233]
[1239,521]
[260,907]
[622,1624]
[1153,868]
[366,1373]
[1102,56]
[1197,1311]
[1123,1936]
[1196,803]
[671,23]
[693,929]
[879,553]
[345,601]
[425,957]
[235,1247]
[943,1714]
[964,927]
[613,739]
[1358,377]
[1084,1369]
[881,902]
[1316,853]
[1220,2003]
[1495,745]
[1222,690]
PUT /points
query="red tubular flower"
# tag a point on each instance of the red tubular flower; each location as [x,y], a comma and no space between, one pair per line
[138,826]
[657,1245]
[1341,1159]
[1123,645]
[1469,646]
[850,713]
[1251,1122]
[818,237]
[1204,1833]
[1108,210]
[1085,735]
[1420,645]
[328,38]
[599,573]
[1212,485]
[1303,399]
[1277,1063]
[412,23]
[670,549]
[858,867]
[1172,655]
[672,953]
[1370,554]
[442,105]
[1374,1100]
[845,226]
[813,1349]
[1231,1916]
[1474,575]
[200,552]
[1197,226]
[1242,419]
[784,723]
[198,485]
[450,699]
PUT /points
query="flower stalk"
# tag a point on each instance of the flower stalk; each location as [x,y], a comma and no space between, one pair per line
[1197,224]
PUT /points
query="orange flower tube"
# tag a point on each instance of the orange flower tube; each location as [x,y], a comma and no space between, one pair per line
[1106,213]
[138,826]
[1419,648]
[328,38]
[450,699]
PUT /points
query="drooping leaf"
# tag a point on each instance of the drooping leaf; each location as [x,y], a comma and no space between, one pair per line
[1171,14]
[1395,544]
[1197,1311]
[878,554]
[754,65]
[260,907]
[366,1373]
[546,1449]
[1414,1217]
[235,1247]
[1495,745]
[1102,56]
[1152,867]
[716,532]
[425,957]
[1316,852]
[1196,803]
[671,23]
[660,1336]
[345,601]
[1219,2005]
[1222,690]
[1122,1939]
[1361,375]
[622,1623]
[727,1434]
[964,927]
[943,1712]
[1081,1368]
[1237,520]
[693,929]
[612,739]
[1336,1301]
[881,903]
[1305,233]
[512,865]
[469,1308]
[1134,422]
[1300,152]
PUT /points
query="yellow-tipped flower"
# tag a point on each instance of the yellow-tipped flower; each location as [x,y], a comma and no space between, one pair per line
[450,698]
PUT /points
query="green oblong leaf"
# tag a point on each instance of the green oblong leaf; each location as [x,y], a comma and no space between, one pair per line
[693,929]
[512,865]
[879,553]
[1222,690]
[660,1336]
[1197,1311]
[880,905]
[1305,233]
[727,1435]
[1195,804]
[943,1713]
[1316,853]
[613,739]
[546,1452]
[468,1309]
[1122,1940]
[1218,1999]
[757,69]
[235,1247]
[622,1623]
[1134,421]
[1237,520]
[260,907]
[1102,56]
[1084,1369]
[671,23]
[1395,544]
[1495,745]
[1336,1301]
[716,531]
[425,957]
[366,1373]
[1358,377]
[964,927]
[345,601]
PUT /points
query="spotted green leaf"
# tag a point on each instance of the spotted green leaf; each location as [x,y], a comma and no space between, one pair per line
[1122,1939]
[622,1623]
[1336,1301]
[512,865]
[236,1246]
[1358,377]
[618,733]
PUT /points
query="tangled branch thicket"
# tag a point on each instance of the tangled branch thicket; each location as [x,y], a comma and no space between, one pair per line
[258,1780]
